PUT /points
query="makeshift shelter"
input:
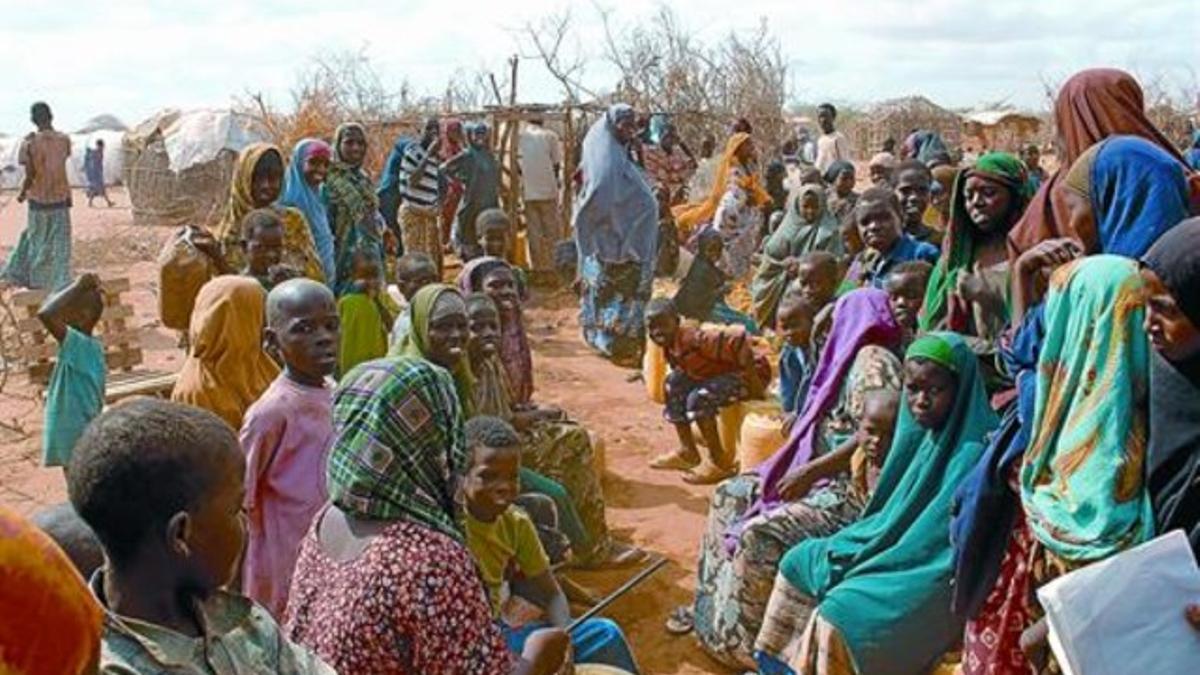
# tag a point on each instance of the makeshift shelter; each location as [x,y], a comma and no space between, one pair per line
[178,164]
[897,118]
[1007,130]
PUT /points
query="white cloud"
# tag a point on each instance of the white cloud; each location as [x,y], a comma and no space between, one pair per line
[132,58]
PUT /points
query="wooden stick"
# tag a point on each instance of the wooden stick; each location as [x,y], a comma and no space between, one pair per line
[612,597]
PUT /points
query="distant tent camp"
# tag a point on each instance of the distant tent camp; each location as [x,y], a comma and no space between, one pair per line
[897,118]
[178,164]
[1007,130]
[102,127]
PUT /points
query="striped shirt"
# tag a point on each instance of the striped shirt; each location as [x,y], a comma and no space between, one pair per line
[419,190]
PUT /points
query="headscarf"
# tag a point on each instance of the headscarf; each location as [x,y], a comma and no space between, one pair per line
[416,342]
[1138,191]
[514,342]
[1091,106]
[958,246]
[398,442]
[616,215]
[226,370]
[690,216]
[836,169]
[925,146]
[241,195]
[1174,453]
[297,193]
[1083,476]
[793,237]
[861,317]
[52,623]
[449,145]
[885,159]
[885,580]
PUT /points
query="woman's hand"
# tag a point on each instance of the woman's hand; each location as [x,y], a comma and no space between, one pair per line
[797,483]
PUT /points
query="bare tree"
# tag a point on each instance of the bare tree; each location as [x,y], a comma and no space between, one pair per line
[551,40]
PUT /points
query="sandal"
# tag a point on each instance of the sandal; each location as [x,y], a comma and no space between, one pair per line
[680,621]
[709,474]
[673,461]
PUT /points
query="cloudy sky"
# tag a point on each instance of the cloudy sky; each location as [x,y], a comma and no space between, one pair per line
[132,58]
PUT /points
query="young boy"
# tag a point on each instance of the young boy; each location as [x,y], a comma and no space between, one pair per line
[75,394]
[794,321]
[879,219]
[816,279]
[701,295]
[905,286]
[874,439]
[364,311]
[262,240]
[495,238]
[160,484]
[505,545]
[832,145]
[286,436]
[914,183]
[709,369]
[414,271]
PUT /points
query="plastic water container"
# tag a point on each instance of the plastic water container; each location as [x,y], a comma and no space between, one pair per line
[654,372]
[761,432]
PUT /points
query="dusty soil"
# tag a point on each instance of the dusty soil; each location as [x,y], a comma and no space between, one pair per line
[651,509]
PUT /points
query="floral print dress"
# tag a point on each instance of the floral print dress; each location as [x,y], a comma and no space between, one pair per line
[739,222]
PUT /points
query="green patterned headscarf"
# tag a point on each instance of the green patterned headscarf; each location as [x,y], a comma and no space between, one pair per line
[416,342]
[1083,477]
[398,442]
[958,246]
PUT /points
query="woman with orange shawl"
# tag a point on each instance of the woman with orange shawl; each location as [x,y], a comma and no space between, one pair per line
[1092,105]
[732,207]
[52,622]
[226,370]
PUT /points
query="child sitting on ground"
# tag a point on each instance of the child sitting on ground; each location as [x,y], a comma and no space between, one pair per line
[262,240]
[874,439]
[879,219]
[505,545]
[794,321]
[701,296]
[709,369]
[160,484]
[905,286]
[286,436]
[75,394]
[365,312]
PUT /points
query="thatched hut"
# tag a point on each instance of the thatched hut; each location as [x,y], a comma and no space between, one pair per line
[1007,130]
[178,164]
[897,118]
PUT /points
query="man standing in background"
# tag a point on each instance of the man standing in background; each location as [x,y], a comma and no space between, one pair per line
[42,258]
[541,163]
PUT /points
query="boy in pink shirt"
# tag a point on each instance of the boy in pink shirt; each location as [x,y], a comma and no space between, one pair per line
[286,437]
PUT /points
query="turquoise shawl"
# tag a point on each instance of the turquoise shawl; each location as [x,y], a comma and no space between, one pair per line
[884,581]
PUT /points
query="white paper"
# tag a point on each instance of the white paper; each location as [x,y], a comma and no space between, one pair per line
[1125,615]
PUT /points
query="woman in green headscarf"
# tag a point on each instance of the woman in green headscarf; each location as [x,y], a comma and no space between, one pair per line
[879,589]
[968,290]
[807,226]
[438,333]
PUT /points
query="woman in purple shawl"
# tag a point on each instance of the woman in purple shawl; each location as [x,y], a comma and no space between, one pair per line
[802,491]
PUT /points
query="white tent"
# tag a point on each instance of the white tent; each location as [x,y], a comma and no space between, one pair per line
[11,172]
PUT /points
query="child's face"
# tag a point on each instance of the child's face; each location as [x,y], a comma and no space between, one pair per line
[912,189]
[878,226]
[315,170]
[211,544]
[795,324]
[367,274]
[1171,332]
[264,249]
[307,336]
[930,389]
[815,284]
[267,180]
[844,184]
[825,120]
[906,294]
[501,287]
[662,328]
[413,279]
[495,242]
[810,207]
[988,203]
[484,324]
[878,424]
[880,175]
[491,484]
[448,330]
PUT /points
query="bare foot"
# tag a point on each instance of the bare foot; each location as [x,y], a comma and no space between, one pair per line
[675,461]
[707,474]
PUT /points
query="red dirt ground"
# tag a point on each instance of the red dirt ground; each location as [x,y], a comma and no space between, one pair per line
[652,509]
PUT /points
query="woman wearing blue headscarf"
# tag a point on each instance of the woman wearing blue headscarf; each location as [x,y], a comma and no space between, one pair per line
[301,191]
[616,233]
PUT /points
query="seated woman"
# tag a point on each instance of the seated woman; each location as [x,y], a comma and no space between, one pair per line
[879,219]
[756,517]
[875,597]
[440,330]
[226,369]
[257,184]
[384,581]
[701,295]
[969,288]
[807,227]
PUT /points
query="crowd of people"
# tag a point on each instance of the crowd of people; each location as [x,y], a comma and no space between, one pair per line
[986,375]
